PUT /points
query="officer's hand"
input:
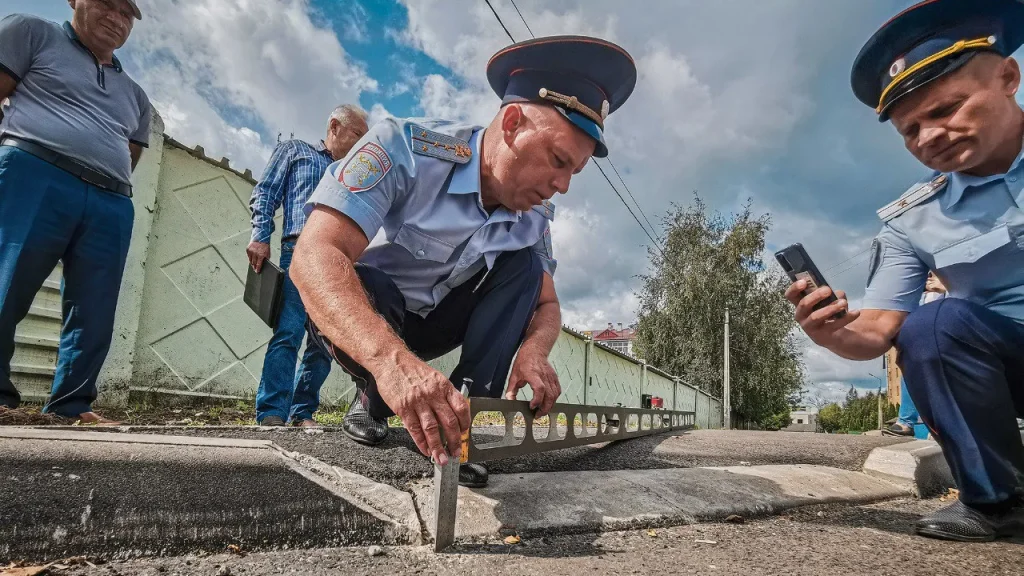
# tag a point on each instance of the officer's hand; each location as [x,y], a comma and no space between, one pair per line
[428,405]
[257,252]
[532,368]
[818,324]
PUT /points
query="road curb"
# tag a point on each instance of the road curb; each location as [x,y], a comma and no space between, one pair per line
[917,466]
[68,493]
[394,504]
[567,502]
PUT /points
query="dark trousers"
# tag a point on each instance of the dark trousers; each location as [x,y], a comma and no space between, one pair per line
[46,216]
[964,367]
[488,319]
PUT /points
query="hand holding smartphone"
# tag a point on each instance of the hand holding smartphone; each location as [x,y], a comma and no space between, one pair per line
[799,266]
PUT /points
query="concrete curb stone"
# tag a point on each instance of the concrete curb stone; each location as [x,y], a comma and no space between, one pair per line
[540,503]
[66,493]
[918,466]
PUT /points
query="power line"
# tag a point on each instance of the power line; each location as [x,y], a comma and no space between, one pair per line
[500,22]
[862,252]
[650,234]
[849,268]
[651,226]
[521,17]
[607,179]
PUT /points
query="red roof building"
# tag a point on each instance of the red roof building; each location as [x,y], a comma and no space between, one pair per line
[620,340]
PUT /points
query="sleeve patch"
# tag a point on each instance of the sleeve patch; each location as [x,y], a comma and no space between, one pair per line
[366,168]
[877,253]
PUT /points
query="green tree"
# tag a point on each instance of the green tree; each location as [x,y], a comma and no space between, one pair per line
[777,421]
[707,264]
[830,418]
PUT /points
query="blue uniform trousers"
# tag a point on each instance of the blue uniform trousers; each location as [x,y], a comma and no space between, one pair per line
[964,367]
[46,216]
[487,315]
[286,391]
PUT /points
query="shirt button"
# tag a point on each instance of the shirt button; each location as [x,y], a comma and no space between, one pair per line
[420,253]
[1013,178]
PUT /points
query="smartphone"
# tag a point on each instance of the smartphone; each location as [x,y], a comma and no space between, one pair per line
[799,266]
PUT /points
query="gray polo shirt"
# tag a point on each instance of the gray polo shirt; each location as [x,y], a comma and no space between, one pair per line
[65,100]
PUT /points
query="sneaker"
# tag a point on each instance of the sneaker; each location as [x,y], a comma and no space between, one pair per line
[899,429]
[272,421]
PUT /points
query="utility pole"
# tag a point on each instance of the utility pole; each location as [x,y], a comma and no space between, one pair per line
[881,417]
[726,407]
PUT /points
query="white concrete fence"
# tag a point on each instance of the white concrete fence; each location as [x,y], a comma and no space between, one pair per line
[182,329]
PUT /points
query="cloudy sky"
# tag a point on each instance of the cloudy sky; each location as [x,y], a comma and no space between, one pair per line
[736,99]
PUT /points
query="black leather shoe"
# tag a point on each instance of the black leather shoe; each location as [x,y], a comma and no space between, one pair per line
[362,427]
[272,421]
[473,475]
[965,524]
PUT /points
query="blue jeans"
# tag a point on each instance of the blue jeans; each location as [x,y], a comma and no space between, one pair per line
[287,392]
[908,415]
[46,216]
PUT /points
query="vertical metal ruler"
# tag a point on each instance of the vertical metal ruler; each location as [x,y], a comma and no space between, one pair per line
[446,492]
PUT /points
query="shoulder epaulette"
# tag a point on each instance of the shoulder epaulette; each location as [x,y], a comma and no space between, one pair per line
[913,197]
[437,145]
[546,209]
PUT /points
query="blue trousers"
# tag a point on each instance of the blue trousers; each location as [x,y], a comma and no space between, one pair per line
[964,368]
[46,216]
[286,391]
[908,415]
[487,316]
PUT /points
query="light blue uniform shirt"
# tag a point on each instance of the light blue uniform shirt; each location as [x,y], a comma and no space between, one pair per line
[971,233]
[438,233]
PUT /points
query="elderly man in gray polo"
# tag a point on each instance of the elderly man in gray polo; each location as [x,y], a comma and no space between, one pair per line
[69,141]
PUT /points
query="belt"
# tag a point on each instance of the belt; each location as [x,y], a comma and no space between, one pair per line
[69,165]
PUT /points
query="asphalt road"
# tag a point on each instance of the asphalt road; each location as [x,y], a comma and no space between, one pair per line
[397,462]
[850,541]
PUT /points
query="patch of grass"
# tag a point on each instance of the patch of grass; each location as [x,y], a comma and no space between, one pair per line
[331,416]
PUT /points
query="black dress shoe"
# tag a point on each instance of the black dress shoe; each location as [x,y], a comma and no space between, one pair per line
[966,524]
[473,475]
[272,421]
[362,427]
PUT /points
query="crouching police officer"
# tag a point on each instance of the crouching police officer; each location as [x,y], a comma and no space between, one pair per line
[941,72]
[468,260]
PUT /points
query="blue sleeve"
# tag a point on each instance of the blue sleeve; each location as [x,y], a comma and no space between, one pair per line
[544,250]
[21,37]
[269,192]
[370,180]
[896,274]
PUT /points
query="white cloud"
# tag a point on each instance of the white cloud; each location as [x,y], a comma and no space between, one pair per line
[439,98]
[223,71]
[355,23]
[377,113]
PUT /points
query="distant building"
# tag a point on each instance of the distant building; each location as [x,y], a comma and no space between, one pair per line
[802,421]
[620,340]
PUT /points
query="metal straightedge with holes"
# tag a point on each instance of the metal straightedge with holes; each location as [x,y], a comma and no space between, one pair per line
[612,424]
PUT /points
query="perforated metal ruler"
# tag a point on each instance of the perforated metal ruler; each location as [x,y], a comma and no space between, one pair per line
[581,425]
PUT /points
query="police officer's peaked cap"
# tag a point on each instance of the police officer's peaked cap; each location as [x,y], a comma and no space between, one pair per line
[929,40]
[585,78]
